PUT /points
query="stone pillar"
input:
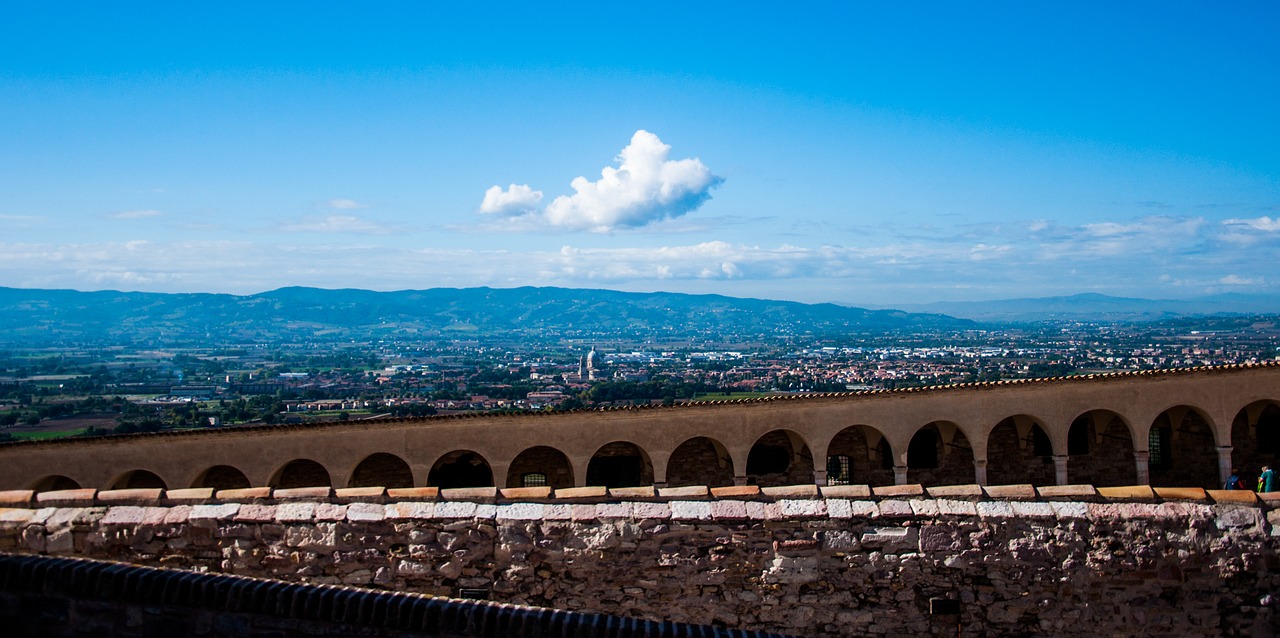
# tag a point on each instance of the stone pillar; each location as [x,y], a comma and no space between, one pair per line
[659,484]
[739,480]
[1224,464]
[980,471]
[899,475]
[1060,469]
[1144,469]
[820,477]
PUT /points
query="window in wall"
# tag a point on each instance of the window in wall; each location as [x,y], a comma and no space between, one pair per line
[1078,437]
[1158,447]
[534,479]
[838,472]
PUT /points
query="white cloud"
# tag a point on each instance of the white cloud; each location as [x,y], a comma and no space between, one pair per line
[1264,224]
[346,204]
[517,199]
[1236,280]
[336,224]
[646,187]
[136,214]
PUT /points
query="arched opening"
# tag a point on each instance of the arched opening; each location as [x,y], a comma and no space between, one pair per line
[138,479]
[1019,451]
[461,468]
[1100,450]
[222,477]
[1181,449]
[940,454]
[381,470]
[1255,439]
[540,466]
[859,455]
[301,473]
[55,483]
[620,464]
[780,457]
[700,461]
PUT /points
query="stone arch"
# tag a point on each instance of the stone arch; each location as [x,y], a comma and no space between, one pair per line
[461,468]
[1181,449]
[1019,450]
[552,464]
[301,473]
[940,454]
[620,464]
[1255,439]
[54,483]
[138,479]
[869,454]
[780,457]
[381,469]
[222,477]
[1100,450]
[700,461]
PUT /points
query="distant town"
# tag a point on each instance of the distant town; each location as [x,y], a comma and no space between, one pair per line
[84,390]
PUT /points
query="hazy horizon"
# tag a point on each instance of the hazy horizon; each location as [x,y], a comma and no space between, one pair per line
[865,155]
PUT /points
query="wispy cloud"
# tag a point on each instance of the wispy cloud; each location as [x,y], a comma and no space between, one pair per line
[644,188]
[1264,224]
[136,214]
[336,223]
[345,204]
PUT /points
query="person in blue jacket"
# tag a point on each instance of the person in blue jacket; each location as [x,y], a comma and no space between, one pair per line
[1266,480]
[1233,481]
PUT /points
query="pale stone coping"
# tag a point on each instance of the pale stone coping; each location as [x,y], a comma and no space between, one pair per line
[894,500]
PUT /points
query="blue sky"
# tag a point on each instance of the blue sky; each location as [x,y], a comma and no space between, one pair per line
[864,154]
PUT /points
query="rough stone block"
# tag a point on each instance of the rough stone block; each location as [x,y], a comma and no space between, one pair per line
[557,512]
[42,515]
[17,498]
[1127,493]
[584,512]
[646,491]
[525,493]
[728,510]
[942,538]
[592,492]
[846,491]
[994,509]
[839,508]
[1181,493]
[690,510]
[455,509]
[520,511]
[304,512]
[686,493]
[470,494]
[190,496]
[318,493]
[953,507]
[1011,492]
[154,515]
[124,515]
[864,509]
[955,491]
[791,491]
[486,510]
[841,540]
[1122,511]
[1070,510]
[898,491]
[213,512]
[417,510]
[244,494]
[655,511]
[896,508]
[256,513]
[1237,518]
[924,507]
[361,494]
[413,493]
[178,515]
[67,498]
[1067,492]
[891,538]
[1024,509]
[803,508]
[16,515]
[1240,497]
[335,512]
[613,510]
[736,491]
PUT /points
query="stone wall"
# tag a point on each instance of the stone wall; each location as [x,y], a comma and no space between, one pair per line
[840,560]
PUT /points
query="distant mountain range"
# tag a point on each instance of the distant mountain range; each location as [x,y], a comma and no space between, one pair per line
[1096,307]
[307,314]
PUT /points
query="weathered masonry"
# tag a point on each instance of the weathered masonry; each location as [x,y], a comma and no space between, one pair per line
[1185,427]
[835,560]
